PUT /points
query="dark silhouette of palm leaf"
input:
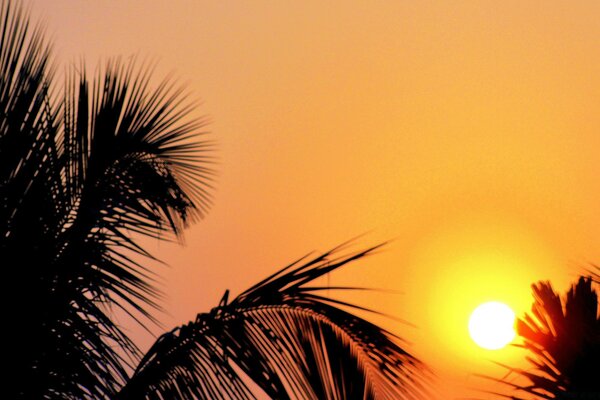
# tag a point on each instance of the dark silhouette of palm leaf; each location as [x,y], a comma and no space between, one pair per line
[287,338]
[564,340]
[79,174]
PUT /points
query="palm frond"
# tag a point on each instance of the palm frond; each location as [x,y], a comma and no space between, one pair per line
[119,156]
[288,339]
[78,175]
[564,340]
[27,127]
[125,156]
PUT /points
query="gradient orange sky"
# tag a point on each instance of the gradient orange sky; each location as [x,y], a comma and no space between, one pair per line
[468,132]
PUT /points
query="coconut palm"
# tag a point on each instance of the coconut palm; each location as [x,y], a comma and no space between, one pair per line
[84,173]
[563,338]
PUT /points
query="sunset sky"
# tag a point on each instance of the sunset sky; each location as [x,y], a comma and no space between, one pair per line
[466,133]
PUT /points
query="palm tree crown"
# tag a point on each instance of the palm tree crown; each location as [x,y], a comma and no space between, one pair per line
[85,173]
[564,339]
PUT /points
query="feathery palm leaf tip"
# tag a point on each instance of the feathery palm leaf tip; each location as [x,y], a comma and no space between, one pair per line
[288,339]
[564,339]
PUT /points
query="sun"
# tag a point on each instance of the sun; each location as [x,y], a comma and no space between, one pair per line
[491,325]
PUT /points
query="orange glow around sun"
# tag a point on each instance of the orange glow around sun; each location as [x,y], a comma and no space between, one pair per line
[472,261]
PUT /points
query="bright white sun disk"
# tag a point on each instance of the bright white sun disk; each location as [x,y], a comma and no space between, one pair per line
[491,325]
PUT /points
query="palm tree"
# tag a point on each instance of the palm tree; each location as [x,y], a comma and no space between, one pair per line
[563,338]
[83,175]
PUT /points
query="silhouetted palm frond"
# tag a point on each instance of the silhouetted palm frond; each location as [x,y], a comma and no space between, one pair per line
[564,339]
[78,175]
[287,338]
[131,165]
